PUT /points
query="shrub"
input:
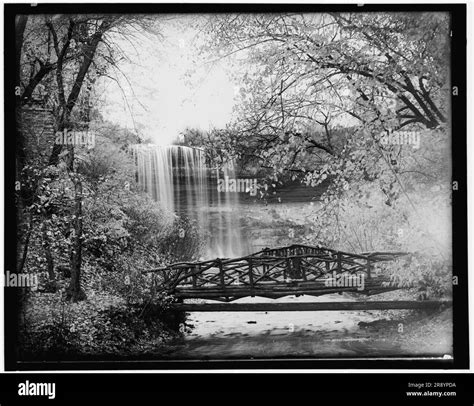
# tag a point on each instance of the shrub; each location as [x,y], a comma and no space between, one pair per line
[103,325]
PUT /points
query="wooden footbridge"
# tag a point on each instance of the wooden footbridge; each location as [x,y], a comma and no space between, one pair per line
[274,273]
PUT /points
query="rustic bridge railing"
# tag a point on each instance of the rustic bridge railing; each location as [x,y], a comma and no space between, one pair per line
[274,273]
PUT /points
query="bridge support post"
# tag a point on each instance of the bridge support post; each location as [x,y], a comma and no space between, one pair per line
[197,270]
[289,273]
[252,292]
[339,262]
[221,273]
[295,268]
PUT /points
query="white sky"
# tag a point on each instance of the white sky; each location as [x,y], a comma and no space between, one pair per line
[162,96]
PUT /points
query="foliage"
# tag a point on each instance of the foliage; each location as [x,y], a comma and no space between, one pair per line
[418,224]
[319,90]
[319,96]
[103,325]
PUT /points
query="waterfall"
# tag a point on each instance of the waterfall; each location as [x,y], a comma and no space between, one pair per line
[177,177]
[228,227]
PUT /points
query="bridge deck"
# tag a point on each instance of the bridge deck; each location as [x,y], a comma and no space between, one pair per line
[315,306]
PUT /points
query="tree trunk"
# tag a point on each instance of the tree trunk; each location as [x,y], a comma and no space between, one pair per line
[47,253]
[20,25]
[74,291]
[68,106]
[21,251]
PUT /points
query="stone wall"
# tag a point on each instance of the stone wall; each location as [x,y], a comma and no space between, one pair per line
[38,125]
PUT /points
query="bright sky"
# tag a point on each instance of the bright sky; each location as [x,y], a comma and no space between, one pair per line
[168,87]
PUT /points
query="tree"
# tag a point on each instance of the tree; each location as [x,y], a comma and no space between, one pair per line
[20,24]
[61,56]
[323,88]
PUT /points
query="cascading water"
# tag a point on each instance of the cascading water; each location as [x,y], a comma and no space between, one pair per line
[228,226]
[177,177]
